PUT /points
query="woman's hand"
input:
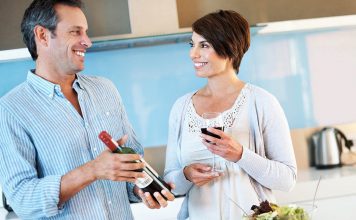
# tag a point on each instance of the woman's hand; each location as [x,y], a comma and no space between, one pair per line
[226,147]
[199,174]
[148,200]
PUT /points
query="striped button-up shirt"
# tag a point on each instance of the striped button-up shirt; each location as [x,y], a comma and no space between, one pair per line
[43,137]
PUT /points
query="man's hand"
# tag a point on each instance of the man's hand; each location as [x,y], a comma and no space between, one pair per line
[200,174]
[148,200]
[117,167]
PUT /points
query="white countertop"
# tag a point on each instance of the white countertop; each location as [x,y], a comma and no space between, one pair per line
[335,199]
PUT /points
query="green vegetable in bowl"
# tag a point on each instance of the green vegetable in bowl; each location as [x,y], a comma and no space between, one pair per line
[270,211]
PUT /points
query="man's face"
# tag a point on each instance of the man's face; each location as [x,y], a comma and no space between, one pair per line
[68,46]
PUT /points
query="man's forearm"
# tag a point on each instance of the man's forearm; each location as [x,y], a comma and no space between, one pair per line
[75,181]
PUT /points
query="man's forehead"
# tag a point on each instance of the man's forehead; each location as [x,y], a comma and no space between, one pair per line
[72,17]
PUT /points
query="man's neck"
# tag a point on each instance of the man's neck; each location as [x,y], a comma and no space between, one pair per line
[65,80]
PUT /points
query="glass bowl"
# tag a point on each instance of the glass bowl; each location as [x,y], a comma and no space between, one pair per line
[298,211]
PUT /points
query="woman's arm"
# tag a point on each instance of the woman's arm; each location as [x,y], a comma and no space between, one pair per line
[278,170]
[173,168]
[270,137]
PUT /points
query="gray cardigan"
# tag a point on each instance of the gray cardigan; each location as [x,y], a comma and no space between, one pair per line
[270,160]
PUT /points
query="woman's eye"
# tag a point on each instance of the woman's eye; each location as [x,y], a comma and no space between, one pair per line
[204,45]
[191,44]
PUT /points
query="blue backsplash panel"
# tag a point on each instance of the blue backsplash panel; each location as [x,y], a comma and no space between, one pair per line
[150,79]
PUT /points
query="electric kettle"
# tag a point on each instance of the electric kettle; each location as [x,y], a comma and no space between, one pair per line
[327,144]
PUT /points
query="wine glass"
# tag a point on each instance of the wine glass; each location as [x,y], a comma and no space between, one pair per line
[215,120]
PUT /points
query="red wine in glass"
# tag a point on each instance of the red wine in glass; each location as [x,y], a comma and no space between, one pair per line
[212,120]
[205,131]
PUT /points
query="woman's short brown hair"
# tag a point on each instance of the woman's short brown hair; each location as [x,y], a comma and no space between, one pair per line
[228,33]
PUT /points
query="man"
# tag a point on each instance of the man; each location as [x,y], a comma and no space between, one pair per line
[52,163]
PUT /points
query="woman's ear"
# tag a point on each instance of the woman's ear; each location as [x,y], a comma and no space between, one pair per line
[42,35]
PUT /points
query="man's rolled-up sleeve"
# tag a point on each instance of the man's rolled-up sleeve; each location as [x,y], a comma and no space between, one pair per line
[29,196]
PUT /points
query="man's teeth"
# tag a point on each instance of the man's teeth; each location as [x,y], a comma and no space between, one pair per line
[200,64]
[80,53]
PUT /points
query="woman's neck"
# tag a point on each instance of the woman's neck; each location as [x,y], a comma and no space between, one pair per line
[222,85]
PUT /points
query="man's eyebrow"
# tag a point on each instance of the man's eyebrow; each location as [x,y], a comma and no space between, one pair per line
[76,27]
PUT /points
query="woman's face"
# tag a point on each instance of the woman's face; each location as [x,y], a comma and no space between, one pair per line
[207,62]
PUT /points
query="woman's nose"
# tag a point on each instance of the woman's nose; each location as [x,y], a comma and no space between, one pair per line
[194,53]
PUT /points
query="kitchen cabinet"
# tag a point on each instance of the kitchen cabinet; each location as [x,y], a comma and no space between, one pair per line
[107,17]
[262,11]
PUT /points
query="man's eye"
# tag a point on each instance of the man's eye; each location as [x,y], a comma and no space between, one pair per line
[75,32]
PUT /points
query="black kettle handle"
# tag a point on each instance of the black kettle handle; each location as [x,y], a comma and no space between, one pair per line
[348,143]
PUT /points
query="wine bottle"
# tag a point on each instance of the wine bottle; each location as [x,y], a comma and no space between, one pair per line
[152,182]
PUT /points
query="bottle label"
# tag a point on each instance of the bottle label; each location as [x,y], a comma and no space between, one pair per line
[144,182]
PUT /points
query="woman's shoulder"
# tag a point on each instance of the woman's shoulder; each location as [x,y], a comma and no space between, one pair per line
[261,95]
[180,104]
[181,101]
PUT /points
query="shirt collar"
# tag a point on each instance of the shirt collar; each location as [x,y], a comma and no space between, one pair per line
[41,84]
[48,88]
[78,81]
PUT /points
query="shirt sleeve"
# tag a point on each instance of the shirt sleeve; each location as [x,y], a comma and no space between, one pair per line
[173,168]
[278,169]
[28,195]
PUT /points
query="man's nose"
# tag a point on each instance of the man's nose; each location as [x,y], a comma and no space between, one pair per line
[86,41]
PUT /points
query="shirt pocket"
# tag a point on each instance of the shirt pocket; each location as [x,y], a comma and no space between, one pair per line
[110,120]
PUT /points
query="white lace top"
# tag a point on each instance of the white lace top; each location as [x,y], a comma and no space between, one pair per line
[195,122]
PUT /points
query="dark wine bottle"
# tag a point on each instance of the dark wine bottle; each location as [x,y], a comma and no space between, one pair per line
[152,182]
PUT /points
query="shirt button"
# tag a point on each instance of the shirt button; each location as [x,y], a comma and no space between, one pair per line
[109,202]
[107,113]
[95,149]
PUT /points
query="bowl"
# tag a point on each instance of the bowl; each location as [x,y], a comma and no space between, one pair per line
[298,211]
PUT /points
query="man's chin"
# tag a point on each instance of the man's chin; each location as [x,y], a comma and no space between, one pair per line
[79,68]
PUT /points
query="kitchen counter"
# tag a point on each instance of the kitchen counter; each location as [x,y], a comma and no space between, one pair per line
[335,198]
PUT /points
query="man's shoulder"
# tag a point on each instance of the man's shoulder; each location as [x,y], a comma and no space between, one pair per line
[94,79]
[98,82]
[15,94]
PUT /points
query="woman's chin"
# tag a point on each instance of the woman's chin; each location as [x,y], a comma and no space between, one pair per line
[201,74]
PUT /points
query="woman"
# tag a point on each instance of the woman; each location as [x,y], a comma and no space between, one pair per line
[255,151]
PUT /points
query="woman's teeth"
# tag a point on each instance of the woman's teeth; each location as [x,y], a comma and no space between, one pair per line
[200,64]
[82,54]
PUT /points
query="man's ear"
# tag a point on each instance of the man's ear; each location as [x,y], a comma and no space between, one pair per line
[42,35]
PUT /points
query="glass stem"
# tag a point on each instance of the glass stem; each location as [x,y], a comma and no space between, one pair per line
[214,169]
